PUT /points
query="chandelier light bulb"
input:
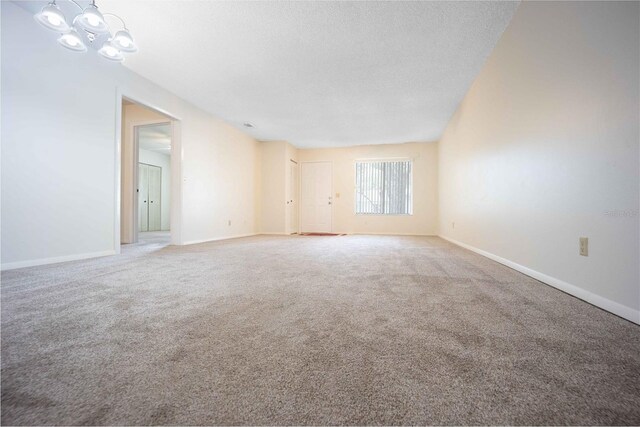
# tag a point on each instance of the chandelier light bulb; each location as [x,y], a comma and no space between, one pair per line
[92,20]
[110,52]
[54,20]
[124,42]
[51,17]
[72,41]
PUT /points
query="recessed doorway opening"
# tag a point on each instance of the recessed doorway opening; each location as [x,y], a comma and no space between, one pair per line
[148,176]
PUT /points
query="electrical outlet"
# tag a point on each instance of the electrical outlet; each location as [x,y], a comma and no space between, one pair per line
[453,225]
[584,246]
[229,223]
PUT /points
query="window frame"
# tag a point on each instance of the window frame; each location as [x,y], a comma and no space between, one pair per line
[381,160]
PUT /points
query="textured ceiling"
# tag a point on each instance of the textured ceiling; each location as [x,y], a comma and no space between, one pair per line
[317,73]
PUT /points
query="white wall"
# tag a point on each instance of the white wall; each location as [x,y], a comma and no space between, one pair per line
[425,188]
[273,192]
[59,127]
[163,161]
[544,149]
[222,172]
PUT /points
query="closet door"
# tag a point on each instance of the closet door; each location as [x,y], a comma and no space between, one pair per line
[143,197]
[155,187]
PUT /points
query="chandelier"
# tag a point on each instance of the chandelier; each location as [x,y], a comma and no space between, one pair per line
[88,25]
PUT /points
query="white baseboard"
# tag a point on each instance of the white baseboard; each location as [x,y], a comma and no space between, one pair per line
[597,300]
[215,239]
[54,260]
[273,233]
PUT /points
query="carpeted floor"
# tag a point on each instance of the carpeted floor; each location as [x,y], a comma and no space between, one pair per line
[308,330]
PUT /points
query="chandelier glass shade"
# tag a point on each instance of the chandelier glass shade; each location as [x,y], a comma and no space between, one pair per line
[72,41]
[92,20]
[110,52]
[123,41]
[51,17]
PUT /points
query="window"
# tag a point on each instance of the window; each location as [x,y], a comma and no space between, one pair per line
[384,188]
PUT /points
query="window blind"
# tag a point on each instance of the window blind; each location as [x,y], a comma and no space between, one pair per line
[384,187]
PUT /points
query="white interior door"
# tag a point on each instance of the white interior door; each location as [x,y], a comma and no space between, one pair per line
[316,201]
[155,207]
[149,190]
[143,197]
[293,197]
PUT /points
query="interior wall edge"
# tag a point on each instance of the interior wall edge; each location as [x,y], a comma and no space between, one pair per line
[618,309]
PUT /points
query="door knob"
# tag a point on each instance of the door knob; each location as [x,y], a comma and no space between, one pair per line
[145,201]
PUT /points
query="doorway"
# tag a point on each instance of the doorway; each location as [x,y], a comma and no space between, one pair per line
[148,176]
[316,200]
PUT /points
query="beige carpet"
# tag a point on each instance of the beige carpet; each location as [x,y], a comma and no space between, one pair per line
[308,330]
